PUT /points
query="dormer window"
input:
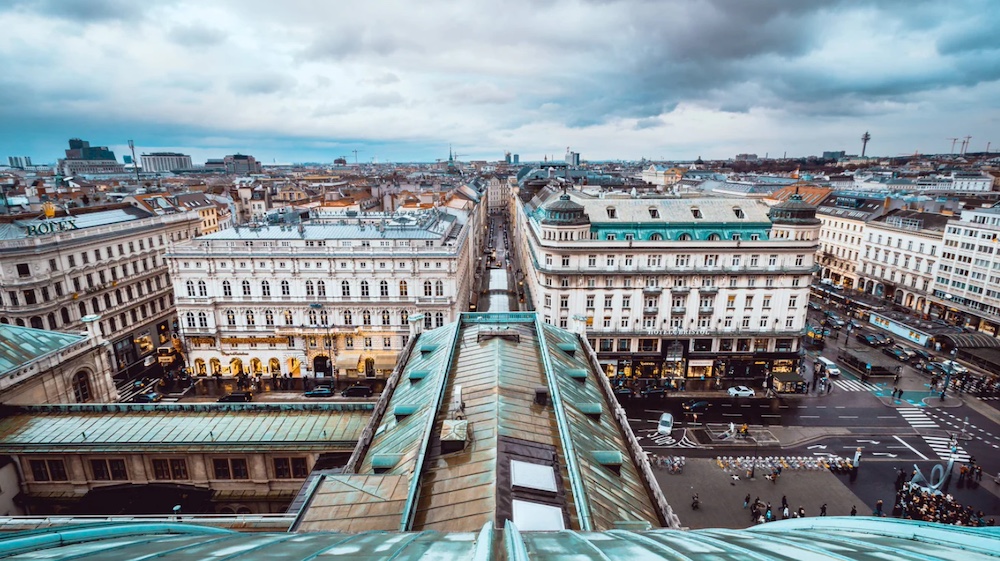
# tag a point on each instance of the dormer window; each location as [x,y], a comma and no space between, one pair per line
[612,213]
[739,212]
[654,213]
[696,212]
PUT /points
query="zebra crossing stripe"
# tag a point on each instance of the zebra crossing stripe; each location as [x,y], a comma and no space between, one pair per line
[855,386]
[942,447]
[917,418]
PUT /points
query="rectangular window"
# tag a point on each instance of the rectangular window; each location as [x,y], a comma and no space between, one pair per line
[290,468]
[230,468]
[109,469]
[48,470]
[172,468]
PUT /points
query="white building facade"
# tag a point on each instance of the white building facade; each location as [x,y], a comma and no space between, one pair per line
[967,283]
[844,217]
[693,293]
[56,271]
[899,256]
[165,162]
[331,298]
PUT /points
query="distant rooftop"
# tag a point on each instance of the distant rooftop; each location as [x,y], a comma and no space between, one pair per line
[21,345]
[20,229]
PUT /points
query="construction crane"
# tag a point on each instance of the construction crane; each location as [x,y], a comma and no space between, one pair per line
[356,155]
[953,141]
[965,144]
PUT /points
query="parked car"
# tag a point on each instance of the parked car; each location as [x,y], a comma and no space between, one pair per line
[910,354]
[623,392]
[653,391]
[855,324]
[666,424]
[237,397]
[955,367]
[357,390]
[867,338]
[695,406]
[895,353]
[883,340]
[815,306]
[151,397]
[921,354]
[320,391]
[740,391]
[834,320]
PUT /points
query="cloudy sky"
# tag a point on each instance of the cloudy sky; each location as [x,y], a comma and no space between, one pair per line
[302,80]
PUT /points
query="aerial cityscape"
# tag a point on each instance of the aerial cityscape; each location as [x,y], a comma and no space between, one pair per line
[451,294]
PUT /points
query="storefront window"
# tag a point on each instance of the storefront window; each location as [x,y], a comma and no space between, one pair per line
[760,345]
[783,345]
[647,345]
[607,345]
[145,344]
[743,345]
[782,366]
[726,345]
[703,344]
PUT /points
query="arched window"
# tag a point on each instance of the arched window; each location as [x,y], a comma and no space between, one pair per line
[189,319]
[65,314]
[386,320]
[199,367]
[324,317]
[190,288]
[312,317]
[320,288]
[94,305]
[383,288]
[227,289]
[268,317]
[403,288]
[428,321]
[404,317]
[288,317]
[202,319]
[265,288]
[438,319]
[52,321]
[81,387]
[656,237]
[348,318]
[83,310]
[345,288]
[246,288]
[118,297]
[438,288]
[107,300]
[714,237]
[684,237]
[285,289]
[366,317]
[428,288]
[250,320]
[230,317]
[128,293]
[310,288]
[364,289]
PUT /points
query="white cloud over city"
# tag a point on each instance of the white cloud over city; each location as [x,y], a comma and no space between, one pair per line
[400,81]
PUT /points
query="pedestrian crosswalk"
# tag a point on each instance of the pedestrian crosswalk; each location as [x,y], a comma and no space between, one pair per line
[855,386]
[942,447]
[917,418]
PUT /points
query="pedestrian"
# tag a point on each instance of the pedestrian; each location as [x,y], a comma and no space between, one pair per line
[802,512]
[784,513]
[854,510]
[878,509]
[901,394]
[829,388]
[746,501]
[784,502]
[822,510]
[769,516]
[979,473]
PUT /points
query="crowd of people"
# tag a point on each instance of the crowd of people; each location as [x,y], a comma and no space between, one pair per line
[762,512]
[915,503]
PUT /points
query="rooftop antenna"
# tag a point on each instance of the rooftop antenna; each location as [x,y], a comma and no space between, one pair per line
[135,165]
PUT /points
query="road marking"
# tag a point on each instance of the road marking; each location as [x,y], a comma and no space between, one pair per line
[809,416]
[779,416]
[821,407]
[917,418]
[886,417]
[731,415]
[942,446]
[912,449]
[848,417]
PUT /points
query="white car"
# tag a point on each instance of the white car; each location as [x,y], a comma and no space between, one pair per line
[666,424]
[740,391]
[956,368]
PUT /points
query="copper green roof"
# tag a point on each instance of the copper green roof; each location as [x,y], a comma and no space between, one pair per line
[128,427]
[21,345]
[813,539]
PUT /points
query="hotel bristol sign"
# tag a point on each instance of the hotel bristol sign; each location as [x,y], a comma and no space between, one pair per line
[45,228]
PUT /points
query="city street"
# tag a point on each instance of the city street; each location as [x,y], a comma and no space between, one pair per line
[917,431]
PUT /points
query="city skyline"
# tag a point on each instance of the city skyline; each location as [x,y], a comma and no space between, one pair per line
[400,82]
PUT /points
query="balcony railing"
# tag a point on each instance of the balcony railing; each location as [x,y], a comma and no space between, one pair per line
[706,310]
[651,310]
[679,310]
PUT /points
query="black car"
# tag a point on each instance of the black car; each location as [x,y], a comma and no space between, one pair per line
[357,390]
[151,397]
[883,340]
[237,397]
[895,353]
[922,355]
[868,339]
[321,391]
[622,391]
[653,391]
[695,406]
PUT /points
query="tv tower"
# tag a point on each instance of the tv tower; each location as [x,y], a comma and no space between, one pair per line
[864,142]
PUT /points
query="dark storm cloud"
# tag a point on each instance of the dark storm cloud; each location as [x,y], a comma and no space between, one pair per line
[83,11]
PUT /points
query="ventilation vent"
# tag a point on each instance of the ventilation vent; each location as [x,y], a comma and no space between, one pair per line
[404,410]
[455,434]
[417,375]
[382,463]
[633,525]
[568,348]
[577,374]
[428,348]
[542,395]
[611,459]
[591,409]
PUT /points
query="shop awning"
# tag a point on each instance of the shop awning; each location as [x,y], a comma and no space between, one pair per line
[385,362]
[701,362]
[787,377]
[348,360]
